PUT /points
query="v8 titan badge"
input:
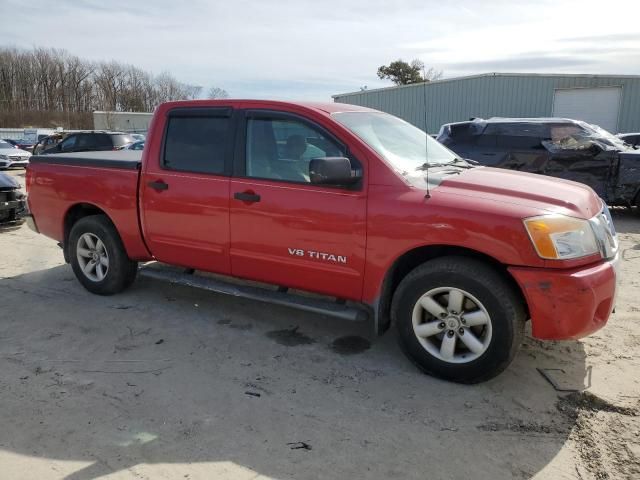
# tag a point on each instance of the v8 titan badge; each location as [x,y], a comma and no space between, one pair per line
[327,257]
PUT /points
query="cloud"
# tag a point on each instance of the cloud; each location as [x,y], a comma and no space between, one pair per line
[311,50]
[529,63]
[614,37]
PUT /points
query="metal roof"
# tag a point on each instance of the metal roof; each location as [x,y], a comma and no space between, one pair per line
[484,75]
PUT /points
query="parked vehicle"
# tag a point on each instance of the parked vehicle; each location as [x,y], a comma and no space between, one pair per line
[139,145]
[632,139]
[345,202]
[558,147]
[21,144]
[90,141]
[10,156]
[12,200]
[138,137]
[47,142]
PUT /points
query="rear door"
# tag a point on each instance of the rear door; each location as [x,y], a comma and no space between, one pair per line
[285,230]
[185,189]
[522,145]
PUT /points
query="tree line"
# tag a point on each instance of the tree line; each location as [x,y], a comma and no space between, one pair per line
[47,87]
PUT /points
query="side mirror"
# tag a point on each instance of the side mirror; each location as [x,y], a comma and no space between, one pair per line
[332,171]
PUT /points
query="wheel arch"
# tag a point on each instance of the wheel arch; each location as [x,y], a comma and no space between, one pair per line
[419,255]
[75,213]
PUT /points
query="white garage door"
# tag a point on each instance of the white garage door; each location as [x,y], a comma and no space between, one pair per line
[593,105]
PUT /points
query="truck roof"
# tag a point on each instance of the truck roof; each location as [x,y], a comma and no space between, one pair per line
[541,120]
[324,107]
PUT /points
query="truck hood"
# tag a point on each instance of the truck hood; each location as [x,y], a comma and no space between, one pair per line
[7,181]
[552,195]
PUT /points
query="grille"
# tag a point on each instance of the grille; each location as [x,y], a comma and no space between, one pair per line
[7,195]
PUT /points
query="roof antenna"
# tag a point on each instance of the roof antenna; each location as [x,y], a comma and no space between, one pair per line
[426,134]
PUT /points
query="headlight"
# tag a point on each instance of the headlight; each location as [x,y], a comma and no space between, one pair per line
[559,237]
[4,157]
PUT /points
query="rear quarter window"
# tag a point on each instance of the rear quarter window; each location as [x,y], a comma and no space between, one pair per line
[100,140]
[120,140]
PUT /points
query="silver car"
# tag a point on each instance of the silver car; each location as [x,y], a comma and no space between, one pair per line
[12,157]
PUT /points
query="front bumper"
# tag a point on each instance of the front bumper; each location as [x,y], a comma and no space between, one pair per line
[568,304]
[13,210]
[13,163]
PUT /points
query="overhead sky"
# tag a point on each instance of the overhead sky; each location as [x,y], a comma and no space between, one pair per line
[311,49]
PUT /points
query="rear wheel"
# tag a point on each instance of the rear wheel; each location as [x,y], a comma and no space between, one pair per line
[458,319]
[98,257]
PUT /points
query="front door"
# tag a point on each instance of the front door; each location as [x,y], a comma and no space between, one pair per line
[285,230]
[574,156]
[185,190]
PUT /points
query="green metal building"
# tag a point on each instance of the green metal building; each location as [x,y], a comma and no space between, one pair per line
[611,101]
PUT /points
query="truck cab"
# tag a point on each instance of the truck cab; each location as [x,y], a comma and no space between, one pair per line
[346,203]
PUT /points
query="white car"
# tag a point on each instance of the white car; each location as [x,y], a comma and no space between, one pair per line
[12,157]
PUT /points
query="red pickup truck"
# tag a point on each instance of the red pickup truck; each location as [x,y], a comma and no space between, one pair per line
[359,213]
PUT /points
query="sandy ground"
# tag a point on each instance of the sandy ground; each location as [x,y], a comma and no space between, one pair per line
[170,382]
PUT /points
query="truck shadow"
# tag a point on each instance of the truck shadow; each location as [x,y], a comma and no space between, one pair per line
[203,385]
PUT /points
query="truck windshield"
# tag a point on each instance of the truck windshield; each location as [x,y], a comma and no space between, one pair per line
[404,146]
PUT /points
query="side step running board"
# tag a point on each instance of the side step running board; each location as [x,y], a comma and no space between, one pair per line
[343,311]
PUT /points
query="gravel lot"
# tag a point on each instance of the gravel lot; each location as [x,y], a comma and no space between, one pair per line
[170,382]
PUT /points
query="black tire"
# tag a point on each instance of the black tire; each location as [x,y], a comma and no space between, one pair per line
[121,271]
[503,305]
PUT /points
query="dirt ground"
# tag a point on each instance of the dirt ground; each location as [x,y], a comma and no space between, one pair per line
[170,382]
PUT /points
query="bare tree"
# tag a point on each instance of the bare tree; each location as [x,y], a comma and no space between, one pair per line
[49,87]
[217,92]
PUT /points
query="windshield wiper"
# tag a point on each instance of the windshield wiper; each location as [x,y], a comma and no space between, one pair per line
[458,162]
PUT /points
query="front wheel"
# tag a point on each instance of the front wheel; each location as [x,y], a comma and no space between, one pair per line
[458,319]
[98,257]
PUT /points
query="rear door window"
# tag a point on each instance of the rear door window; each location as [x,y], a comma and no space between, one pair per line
[85,141]
[198,143]
[486,141]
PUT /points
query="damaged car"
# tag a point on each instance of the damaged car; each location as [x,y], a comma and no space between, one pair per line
[558,147]
[12,201]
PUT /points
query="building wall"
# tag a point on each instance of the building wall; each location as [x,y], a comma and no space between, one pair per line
[492,95]
[122,121]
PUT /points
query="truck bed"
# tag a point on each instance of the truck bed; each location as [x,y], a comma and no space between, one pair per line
[124,159]
[105,181]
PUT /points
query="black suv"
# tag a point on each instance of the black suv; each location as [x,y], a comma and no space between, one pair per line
[558,147]
[90,142]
